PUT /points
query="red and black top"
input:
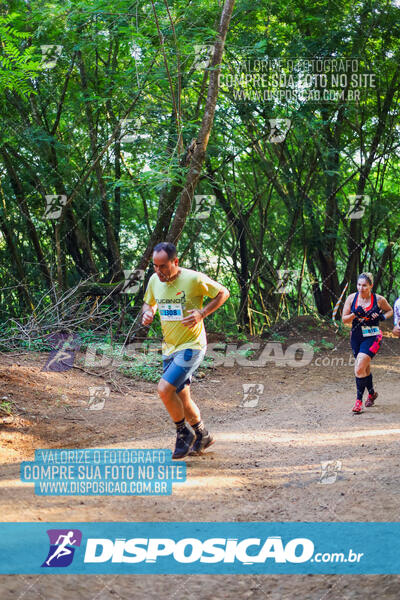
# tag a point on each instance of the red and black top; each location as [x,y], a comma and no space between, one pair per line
[356,324]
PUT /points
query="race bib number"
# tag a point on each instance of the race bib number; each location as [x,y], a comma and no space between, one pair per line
[171,312]
[369,331]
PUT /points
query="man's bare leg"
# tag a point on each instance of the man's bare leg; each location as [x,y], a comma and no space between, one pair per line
[192,411]
[172,402]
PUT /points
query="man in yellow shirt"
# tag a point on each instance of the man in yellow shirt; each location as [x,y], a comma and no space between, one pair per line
[178,295]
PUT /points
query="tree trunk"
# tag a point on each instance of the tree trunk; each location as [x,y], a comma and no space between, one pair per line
[354,243]
[15,260]
[20,196]
[199,153]
[114,258]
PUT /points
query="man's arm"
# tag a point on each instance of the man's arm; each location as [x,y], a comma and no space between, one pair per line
[198,314]
[148,313]
[396,319]
[396,313]
[215,303]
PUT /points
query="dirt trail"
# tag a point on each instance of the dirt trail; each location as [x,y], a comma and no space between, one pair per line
[265,465]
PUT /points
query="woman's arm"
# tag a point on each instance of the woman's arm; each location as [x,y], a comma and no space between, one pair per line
[385,306]
[347,316]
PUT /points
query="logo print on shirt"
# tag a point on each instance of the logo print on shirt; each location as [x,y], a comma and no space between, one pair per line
[183,299]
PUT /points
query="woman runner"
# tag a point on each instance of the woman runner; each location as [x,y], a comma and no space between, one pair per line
[364,310]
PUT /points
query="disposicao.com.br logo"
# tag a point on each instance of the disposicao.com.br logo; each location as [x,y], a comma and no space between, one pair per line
[191,552]
[247,551]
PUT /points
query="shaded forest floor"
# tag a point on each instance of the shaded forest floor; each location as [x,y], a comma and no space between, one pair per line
[264,466]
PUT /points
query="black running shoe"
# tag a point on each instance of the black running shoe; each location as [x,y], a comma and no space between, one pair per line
[201,443]
[184,440]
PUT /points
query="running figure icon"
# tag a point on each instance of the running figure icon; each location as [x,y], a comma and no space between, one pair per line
[62,549]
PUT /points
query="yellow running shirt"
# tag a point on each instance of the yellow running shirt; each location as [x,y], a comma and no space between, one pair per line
[174,300]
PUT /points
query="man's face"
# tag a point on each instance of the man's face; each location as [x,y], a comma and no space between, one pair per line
[165,268]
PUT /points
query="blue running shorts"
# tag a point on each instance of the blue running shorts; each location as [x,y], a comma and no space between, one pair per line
[367,345]
[179,366]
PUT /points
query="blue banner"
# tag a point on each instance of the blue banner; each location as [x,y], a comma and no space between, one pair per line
[200,548]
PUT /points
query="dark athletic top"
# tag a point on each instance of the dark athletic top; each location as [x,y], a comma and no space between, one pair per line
[356,324]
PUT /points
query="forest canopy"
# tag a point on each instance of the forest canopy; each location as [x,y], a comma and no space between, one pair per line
[261,138]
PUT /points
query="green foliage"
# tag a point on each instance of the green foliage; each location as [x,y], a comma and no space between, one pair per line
[314,345]
[5,407]
[17,57]
[278,206]
[36,345]
[326,345]
[147,367]
[277,337]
